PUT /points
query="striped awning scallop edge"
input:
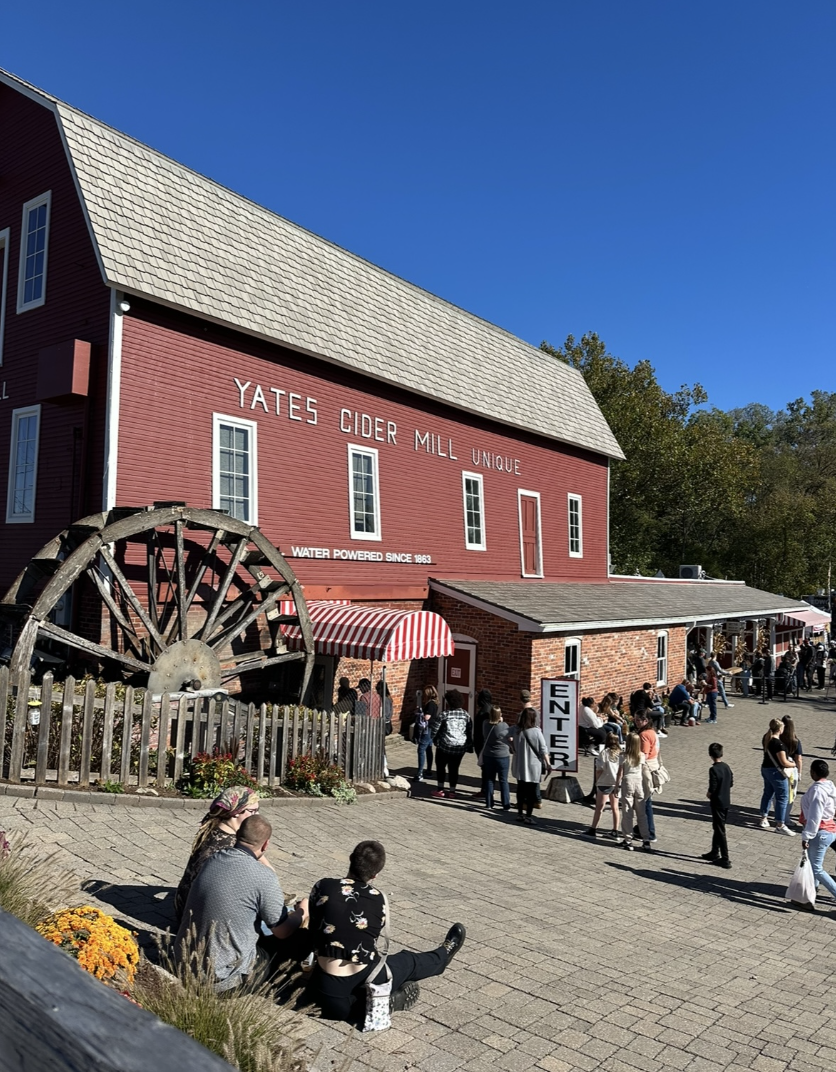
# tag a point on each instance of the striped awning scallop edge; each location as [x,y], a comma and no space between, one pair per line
[812,616]
[386,636]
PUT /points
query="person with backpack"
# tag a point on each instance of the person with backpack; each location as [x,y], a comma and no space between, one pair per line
[452,732]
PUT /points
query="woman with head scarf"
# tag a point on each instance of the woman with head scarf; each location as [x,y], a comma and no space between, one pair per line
[217,831]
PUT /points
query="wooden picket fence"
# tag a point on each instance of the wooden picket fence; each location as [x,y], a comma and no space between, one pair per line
[55,735]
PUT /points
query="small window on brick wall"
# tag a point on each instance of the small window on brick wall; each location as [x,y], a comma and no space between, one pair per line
[572,658]
[662,659]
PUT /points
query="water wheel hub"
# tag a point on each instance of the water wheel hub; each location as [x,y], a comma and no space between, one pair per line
[187,666]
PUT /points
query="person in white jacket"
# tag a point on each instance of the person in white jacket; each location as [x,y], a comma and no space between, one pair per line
[818,813]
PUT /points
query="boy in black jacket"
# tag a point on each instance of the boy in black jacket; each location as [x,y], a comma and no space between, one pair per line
[720,782]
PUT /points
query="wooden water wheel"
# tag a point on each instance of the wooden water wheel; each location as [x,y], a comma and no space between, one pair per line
[187,599]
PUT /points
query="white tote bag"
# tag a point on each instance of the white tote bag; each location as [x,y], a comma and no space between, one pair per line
[802,887]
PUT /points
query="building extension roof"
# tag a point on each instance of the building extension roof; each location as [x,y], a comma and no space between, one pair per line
[547,607]
[166,233]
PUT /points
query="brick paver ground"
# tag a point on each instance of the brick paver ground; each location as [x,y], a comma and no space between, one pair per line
[579,954]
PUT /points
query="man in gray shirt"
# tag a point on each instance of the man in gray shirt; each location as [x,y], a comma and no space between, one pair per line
[235,891]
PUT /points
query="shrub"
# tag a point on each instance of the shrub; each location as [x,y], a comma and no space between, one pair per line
[247,1029]
[208,773]
[99,944]
[316,775]
[32,886]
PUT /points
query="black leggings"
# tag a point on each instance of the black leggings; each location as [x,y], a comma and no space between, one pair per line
[343,997]
[447,763]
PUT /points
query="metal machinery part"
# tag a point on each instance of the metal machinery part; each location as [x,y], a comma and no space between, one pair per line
[191,598]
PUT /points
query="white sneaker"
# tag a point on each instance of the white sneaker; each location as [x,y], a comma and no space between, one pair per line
[784,830]
[764,824]
[661,733]
[729,706]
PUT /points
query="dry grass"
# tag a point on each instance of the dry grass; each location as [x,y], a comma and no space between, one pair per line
[247,1029]
[31,887]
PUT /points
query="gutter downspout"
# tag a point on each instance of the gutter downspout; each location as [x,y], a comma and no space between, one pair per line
[114,387]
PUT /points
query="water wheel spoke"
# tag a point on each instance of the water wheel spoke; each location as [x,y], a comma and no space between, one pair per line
[210,551]
[245,600]
[124,623]
[168,610]
[56,632]
[180,564]
[131,597]
[244,623]
[259,662]
[223,588]
[151,565]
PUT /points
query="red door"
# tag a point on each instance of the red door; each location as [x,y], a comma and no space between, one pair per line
[530,535]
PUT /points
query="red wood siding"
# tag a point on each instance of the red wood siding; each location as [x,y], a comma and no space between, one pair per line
[176,372]
[76,307]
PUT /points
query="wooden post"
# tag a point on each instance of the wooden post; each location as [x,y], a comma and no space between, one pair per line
[262,734]
[42,760]
[162,740]
[88,709]
[248,739]
[4,695]
[67,712]
[127,736]
[107,731]
[223,736]
[285,744]
[209,741]
[145,738]
[296,751]
[180,744]
[20,724]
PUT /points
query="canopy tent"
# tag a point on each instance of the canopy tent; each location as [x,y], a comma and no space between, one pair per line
[385,636]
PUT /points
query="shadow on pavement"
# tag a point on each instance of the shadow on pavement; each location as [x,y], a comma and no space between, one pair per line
[153,905]
[764,895]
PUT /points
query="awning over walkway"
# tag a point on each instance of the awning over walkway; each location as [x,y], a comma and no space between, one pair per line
[812,616]
[387,636]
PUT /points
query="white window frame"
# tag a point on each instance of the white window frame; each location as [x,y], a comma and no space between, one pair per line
[11,517]
[369,452]
[662,660]
[572,644]
[579,500]
[36,202]
[483,544]
[5,238]
[538,569]
[252,428]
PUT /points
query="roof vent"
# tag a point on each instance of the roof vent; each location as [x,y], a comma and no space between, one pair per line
[691,573]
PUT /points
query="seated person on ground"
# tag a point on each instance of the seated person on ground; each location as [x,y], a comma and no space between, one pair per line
[231,895]
[347,918]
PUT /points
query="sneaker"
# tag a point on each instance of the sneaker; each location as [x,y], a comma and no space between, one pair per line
[451,794]
[710,857]
[520,817]
[404,998]
[647,847]
[592,832]
[725,864]
[710,721]
[439,793]
[653,840]
[419,778]
[454,940]
[764,824]
[628,845]
[729,706]
[661,733]
[785,830]
[529,820]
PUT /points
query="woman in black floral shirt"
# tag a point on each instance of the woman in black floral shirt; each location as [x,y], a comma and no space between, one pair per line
[347,917]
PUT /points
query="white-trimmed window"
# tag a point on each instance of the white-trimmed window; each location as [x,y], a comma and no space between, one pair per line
[572,658]
[235,467]
[575,526]
[34,243]
[23,465]
[4,278]
[531,554]
[474,512]
[662,658]
[363,493]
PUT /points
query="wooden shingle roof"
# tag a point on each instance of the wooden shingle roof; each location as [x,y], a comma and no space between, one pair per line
[166,233]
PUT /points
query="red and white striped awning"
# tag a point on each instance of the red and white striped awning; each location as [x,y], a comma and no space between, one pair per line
[811,616]
[386,636]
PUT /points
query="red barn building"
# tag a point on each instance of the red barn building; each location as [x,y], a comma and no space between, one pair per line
[163,338]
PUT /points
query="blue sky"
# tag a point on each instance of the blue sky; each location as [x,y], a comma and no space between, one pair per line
[661,173]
